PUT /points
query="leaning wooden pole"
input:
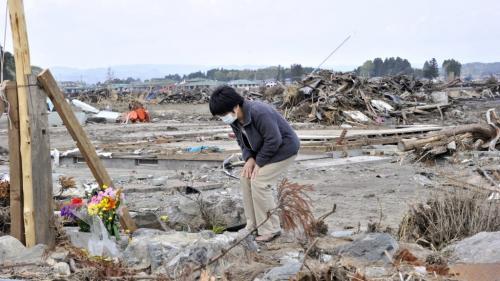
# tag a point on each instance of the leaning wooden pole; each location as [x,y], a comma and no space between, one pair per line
[23,69]
[83,143]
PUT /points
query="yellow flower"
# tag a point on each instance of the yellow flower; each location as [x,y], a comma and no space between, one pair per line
[164,218]
[92,209]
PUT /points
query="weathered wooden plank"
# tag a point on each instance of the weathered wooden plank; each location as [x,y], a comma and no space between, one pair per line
[76,131]
[42,166]
[23,68]
[80,137]
[16,190]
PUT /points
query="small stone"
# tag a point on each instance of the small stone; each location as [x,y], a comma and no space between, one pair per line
[50,261]
[59,256]
[325,258]
[62,269]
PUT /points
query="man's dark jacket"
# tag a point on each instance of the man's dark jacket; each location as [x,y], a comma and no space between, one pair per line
[270,138]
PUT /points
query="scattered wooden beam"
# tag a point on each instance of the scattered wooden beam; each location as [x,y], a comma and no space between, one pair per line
[15,171]
[82,141]
[484,131]
[23,68]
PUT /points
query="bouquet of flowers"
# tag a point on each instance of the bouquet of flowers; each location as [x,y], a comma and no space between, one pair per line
[69,211]
[104,204]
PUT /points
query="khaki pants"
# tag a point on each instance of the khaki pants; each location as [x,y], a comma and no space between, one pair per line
[258,197]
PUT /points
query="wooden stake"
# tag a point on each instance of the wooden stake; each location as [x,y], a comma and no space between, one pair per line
[23,68]
[42,165]
[16,190]
[83,143]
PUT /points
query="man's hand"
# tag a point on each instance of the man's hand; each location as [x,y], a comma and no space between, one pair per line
[255,171]
[248,168]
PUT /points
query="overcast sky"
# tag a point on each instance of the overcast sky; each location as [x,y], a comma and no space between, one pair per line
[99,33]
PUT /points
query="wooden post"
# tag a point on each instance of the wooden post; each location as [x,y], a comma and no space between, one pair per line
[23,68]
[42,164]
[16,190]
[83,143]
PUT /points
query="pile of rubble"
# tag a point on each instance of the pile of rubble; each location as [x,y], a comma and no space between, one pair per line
[339,98]
[91,96]
[185,96]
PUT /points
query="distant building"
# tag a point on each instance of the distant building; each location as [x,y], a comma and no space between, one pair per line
[271,83]
[69,87]
[243,83]
[198,83]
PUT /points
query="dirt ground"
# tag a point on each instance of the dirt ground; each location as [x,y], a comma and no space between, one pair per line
[365,192]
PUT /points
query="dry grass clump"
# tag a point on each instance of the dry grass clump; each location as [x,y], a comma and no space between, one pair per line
[4,207]
[449,217]
[4,191]
[67,182]
[295,207]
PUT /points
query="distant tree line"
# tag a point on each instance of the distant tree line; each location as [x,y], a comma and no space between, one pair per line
[295,72]
[399,66]
[386,67]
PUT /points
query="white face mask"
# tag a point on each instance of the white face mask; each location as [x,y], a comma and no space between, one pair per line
[228,118]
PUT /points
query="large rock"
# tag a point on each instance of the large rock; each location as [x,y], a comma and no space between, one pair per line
[191,213]
[483,247]
[370,248]
[167,252]
[13,252]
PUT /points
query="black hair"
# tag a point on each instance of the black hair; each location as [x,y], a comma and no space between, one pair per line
[223,100]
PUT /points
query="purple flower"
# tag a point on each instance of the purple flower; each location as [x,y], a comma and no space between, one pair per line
[67,211]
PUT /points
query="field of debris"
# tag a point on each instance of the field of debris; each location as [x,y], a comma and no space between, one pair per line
[401,177]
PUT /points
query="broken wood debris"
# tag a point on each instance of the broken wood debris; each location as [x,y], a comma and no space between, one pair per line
[449,140]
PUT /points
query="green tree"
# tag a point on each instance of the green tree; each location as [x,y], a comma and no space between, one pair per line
[296,72]
[367,69]
[197,74]
[431,69]
[434,68]
[378,65]
[452,67]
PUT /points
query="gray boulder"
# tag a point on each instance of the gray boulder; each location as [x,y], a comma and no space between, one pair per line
[12,251]
[191,213]
[483,247]
[370,248]
[168,252]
